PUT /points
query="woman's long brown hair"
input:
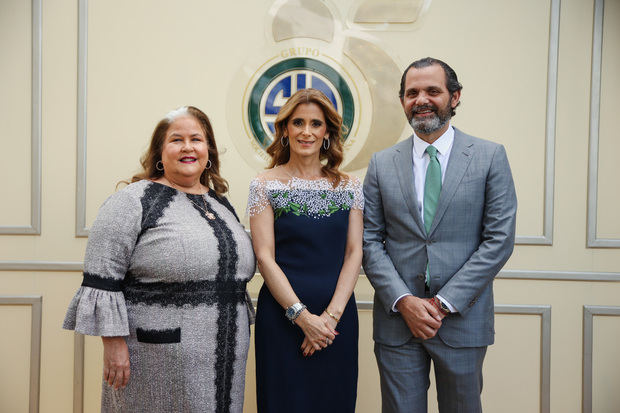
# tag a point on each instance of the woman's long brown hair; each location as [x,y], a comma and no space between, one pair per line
[334,154]
[210,177]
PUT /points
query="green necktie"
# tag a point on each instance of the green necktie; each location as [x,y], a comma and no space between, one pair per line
[432,187]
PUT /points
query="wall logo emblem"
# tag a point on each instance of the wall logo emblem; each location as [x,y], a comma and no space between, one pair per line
[280,81]
[308,44]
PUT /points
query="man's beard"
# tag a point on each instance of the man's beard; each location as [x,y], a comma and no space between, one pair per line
[432,124]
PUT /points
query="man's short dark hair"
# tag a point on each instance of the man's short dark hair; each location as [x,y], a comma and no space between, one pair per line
[452,82]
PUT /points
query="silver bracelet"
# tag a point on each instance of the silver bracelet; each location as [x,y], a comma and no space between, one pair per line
[294,311]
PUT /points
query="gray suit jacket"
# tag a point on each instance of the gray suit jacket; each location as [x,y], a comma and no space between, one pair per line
[471,238]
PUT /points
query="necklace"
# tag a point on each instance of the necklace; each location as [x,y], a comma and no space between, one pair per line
[204,201]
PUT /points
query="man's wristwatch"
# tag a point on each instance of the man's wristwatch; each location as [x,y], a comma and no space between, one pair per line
[440,305]
[293,311]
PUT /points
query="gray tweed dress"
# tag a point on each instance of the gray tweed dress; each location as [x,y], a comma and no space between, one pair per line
[168,270]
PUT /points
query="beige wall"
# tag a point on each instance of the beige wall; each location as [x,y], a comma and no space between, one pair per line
[82,88]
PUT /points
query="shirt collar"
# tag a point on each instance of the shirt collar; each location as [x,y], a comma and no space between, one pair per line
[442,144]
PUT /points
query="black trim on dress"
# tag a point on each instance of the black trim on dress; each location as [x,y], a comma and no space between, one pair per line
[182,293]
[155,199]
[227,309]
[101,283]
[168,336]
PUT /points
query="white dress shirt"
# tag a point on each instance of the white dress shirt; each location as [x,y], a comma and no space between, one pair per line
[421,160]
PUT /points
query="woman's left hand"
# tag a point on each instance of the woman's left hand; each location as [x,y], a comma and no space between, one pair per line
[329,321]
[306,346]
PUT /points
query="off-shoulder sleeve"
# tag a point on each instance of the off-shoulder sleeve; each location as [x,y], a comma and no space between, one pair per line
[358,193]
[257,199]
[98,308]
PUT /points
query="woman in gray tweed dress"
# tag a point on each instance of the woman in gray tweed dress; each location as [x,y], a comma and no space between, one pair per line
[165,276]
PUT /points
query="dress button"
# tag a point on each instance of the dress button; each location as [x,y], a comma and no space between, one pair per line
[421,277]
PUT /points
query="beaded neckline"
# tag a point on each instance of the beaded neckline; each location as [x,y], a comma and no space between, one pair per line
[309,197]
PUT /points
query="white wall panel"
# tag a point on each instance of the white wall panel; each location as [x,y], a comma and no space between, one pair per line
[20,353]
[15,359]
[601,332]
[606,364]
[603,223]
[20,116]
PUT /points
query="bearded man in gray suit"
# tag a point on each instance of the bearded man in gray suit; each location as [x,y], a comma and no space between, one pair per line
[439,224]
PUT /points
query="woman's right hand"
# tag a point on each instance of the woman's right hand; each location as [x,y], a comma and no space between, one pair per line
[317,332]
[115,361]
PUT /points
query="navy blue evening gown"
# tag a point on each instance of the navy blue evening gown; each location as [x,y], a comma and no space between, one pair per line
[310,227]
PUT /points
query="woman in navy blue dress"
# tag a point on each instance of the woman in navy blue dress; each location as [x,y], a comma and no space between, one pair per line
[306,222]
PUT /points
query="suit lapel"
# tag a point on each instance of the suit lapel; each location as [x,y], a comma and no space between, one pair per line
[460,157]
[403,164]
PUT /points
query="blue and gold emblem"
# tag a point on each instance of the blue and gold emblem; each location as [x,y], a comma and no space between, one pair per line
[278,83]
[308,44]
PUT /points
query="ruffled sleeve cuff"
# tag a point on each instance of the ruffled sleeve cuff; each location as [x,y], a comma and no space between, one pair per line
[96,312]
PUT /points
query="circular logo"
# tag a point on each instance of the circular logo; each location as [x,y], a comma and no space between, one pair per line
[282,80]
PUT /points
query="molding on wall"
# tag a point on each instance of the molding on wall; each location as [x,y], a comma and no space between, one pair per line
[77,266]
[544,311]
[82,94]
[37,266]
[552,87]
[551,275]
[595,117]
[78,373]
[35,133]
[35,343]
[558,275]
[589,311]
